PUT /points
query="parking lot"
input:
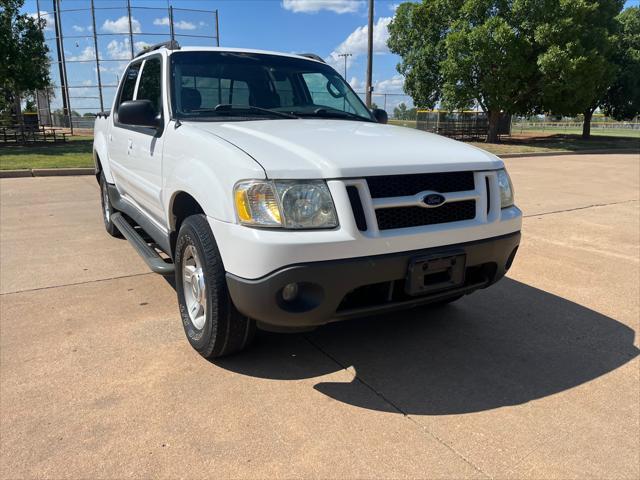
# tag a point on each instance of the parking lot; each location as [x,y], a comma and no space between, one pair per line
[537,377]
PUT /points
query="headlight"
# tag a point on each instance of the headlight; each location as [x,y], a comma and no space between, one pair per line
[285,203]
[506,189]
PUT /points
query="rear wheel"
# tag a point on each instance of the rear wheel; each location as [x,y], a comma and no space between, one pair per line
[107,209]
[214,327]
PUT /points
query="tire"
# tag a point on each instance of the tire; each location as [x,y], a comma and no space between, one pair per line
[107,209]
[214,327]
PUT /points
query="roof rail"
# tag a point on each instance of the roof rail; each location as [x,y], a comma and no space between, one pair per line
[170,45]
[312,56]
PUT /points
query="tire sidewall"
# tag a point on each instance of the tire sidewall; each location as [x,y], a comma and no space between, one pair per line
[103,186]
[199,339]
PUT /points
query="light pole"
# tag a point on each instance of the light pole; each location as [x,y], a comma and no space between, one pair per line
[345,55]
[369,55]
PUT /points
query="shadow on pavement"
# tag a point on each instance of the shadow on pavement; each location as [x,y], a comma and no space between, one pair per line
[506,345]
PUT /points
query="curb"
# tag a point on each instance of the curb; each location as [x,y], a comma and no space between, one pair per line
[15,173]
[56,172]
[565,152]
[46,172]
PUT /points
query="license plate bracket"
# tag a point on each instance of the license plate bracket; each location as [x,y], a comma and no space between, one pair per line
[428,274]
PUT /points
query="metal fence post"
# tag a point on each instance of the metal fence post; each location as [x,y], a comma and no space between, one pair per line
[95,44]
[66,104]
[217,29]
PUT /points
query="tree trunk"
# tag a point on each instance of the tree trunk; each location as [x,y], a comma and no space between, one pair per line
[494,120]
[586,125]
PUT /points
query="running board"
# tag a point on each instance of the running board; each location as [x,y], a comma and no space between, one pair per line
[155,262]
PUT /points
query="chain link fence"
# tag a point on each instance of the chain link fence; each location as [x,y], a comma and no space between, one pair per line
[90,46]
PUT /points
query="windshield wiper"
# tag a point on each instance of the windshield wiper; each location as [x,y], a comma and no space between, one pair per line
[334,113]
[229,108]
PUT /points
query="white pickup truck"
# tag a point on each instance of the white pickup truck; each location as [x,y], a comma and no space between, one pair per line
[281,202]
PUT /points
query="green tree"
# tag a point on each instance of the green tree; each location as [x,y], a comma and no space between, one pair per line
[466,52]
[24,65]
[622,100]
[577,40]
[400,112]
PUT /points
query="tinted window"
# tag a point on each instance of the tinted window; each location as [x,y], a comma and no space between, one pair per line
[198,92]
[150,87]
[324,92]
[129,83]
[200,81]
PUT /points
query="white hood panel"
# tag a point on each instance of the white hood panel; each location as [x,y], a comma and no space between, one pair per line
[320,148]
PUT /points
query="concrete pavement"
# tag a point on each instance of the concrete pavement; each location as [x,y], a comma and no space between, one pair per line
[536,377]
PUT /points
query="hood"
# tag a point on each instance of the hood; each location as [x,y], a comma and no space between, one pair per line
[321,148]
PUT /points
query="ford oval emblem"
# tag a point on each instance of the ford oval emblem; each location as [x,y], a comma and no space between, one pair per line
[433,200]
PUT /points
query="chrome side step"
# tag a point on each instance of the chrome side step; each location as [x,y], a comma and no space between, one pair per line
[155,262]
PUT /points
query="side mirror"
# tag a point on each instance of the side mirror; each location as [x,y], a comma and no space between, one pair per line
[380,115]
[139,113]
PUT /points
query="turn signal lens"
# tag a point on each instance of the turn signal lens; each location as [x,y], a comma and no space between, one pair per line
[256,204]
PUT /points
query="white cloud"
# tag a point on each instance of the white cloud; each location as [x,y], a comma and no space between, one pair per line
[122,51]
[391,85]
[121,25]
[44,15]
[314,6]
[393,7]
[78,28]
[181,25]
[161,21]
[118,50]
[87,54]
[356,43]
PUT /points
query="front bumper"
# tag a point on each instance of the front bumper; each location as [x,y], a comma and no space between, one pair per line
[339,289]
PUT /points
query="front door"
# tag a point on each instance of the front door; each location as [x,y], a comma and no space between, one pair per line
[140,148]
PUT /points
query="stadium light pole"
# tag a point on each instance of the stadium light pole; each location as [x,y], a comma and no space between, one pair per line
[369,55]
[345,55]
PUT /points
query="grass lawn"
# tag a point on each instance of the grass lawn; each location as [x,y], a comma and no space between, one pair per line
[530,143]
[76,152]
[607,132]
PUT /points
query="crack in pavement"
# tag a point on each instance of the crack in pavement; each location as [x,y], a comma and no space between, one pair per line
[397,407]
[578,208]
[77,283]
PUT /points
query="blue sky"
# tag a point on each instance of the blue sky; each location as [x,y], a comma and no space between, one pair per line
[324,27]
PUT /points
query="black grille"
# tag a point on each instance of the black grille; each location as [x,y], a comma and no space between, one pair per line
[356,206]
[403,185]
[405,217]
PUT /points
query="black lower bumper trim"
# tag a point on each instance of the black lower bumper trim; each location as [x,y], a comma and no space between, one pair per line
[339,289]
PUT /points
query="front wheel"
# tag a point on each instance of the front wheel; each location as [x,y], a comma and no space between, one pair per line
[214,327]
[107,209]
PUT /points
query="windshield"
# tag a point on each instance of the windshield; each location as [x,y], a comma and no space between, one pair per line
[252,85]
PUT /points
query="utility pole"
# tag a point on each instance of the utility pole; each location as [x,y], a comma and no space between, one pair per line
[345,55]
[369,55]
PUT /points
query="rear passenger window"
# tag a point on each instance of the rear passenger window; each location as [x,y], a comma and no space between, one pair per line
[129,83]
[150,87]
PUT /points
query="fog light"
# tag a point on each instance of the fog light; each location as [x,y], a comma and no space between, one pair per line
[290,292]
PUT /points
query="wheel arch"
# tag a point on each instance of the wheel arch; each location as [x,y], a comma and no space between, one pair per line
[181,206]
